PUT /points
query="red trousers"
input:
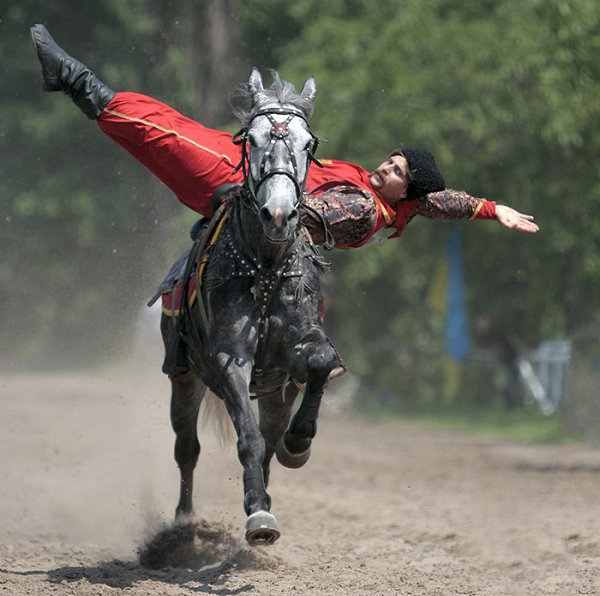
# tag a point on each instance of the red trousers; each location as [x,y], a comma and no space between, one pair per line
[191,159]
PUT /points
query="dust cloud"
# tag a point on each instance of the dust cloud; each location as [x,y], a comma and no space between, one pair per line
[85,451]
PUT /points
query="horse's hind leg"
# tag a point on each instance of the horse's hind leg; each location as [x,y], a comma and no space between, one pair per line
[187,392]
[274,416]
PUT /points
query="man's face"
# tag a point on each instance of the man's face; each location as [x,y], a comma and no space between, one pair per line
[390,179]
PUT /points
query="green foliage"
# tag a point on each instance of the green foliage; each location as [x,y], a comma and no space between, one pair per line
[527,426]
[503,92]
[71,203]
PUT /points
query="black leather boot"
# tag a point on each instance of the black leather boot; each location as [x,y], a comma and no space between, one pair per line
[61,72]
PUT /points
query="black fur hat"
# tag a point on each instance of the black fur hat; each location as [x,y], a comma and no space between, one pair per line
[424,177]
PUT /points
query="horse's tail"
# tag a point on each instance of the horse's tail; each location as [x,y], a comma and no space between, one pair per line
[215,413]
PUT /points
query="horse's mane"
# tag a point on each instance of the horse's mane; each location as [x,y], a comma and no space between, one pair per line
[244,103]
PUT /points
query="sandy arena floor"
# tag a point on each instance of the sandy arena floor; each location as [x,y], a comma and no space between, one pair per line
[89,484]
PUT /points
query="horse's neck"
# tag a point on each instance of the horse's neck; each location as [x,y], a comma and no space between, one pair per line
[250,230]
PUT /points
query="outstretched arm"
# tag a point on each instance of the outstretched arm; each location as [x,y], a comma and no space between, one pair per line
[454,204]
[512,219]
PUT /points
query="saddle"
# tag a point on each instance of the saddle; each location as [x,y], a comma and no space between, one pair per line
[183,267]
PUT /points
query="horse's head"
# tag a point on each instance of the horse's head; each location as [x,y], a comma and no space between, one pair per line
[277,147]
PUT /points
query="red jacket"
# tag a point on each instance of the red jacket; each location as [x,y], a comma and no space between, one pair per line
[446,204]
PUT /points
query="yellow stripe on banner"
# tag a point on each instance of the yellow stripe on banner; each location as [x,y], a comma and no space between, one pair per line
[477,210]
[452,378]
[436,297]
[174,132]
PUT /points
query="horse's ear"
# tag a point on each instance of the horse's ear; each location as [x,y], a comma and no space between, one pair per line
[255,83]
[309,90]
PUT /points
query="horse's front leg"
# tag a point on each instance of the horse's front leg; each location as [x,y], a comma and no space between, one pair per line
[293,450]
[275,412]
[261,525]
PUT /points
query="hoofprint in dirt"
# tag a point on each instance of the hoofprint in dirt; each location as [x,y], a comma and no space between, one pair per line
[89,486]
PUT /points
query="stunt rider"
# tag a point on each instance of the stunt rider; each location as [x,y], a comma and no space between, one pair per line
[193,161]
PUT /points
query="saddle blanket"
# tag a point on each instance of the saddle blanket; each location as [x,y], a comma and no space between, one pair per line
[172,300]
[184,274]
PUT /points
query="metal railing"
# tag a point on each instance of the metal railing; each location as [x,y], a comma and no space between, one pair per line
[544,373]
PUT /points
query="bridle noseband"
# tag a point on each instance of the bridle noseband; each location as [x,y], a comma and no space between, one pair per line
[279,133]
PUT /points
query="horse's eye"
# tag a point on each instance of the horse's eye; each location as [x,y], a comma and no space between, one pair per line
[252,140]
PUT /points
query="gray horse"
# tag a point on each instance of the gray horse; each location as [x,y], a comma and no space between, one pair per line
[255,329]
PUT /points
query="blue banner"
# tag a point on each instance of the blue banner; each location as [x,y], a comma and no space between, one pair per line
[458,341]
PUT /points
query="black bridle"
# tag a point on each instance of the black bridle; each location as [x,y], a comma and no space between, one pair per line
[279,132]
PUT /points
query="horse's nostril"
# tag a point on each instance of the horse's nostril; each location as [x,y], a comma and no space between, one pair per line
[293,214]
[265,215]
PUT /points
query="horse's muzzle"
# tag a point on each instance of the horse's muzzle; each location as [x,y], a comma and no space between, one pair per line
[277,224]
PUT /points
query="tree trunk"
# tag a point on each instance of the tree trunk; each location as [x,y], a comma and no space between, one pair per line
[212,44]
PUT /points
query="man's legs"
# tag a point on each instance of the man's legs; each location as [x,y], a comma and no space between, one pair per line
[189,158]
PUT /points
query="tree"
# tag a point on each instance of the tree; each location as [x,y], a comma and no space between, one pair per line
[505,94]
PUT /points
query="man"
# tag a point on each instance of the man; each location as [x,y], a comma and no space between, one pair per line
[346,205]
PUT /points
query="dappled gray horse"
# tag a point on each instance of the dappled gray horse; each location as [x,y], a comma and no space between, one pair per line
[255,330]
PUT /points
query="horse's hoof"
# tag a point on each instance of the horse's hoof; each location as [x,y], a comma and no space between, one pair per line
[262,528]
[288,459]
[184,518]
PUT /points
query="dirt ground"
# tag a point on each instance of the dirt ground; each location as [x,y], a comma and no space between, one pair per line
[88,486]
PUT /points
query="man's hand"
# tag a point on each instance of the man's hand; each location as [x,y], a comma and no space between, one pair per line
[512,219]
